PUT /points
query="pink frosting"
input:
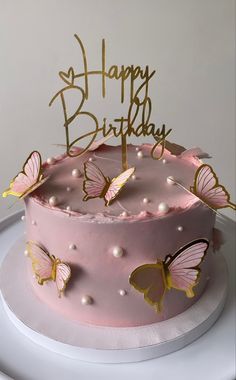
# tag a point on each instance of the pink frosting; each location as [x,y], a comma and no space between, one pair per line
[144,236]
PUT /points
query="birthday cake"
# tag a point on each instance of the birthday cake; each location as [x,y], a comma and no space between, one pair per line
[119,235]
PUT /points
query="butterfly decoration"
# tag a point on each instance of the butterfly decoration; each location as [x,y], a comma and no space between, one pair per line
[48,268]
[207,188]
[29,179]
[96,185]
[180,271]
[182,152]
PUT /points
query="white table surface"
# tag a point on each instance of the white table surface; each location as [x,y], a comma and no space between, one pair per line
[211,357]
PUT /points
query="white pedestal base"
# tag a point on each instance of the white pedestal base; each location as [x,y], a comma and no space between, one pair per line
[105,344]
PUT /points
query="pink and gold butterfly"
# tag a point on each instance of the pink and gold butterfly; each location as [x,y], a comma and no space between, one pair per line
[207,188]
[47,267]
[180,271]
[29,179]
[96,185]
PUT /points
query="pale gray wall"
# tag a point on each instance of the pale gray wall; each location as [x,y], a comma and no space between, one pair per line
[191,43]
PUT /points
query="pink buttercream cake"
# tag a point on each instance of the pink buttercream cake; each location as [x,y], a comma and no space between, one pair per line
[151,218]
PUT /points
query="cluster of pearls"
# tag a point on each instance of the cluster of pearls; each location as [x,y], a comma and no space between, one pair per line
[117,251]
[76,173]
[53,201]
[86,300]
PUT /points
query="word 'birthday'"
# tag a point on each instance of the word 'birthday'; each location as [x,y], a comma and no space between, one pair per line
[136,122]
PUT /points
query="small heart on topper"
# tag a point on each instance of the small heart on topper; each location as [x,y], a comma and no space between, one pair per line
[68,77]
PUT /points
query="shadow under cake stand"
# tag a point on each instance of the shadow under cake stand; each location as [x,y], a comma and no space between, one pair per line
[105,344]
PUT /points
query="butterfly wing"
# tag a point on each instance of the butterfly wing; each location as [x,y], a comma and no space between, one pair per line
[149,279]
[63,273]
[26,180]
[42,262]
[207,188]
[117,184]
[183,271]
[95,183]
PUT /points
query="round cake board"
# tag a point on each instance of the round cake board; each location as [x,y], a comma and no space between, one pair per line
[105,344]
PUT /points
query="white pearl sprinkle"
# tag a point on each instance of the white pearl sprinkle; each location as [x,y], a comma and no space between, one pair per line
[122,292]
[145,200]
[23,218]
[124,213]
[133,177]
[86,300]
[26,253]
[68,188]
[164,161]
[52,200]
[50,160]
[163,207]
[68,208]
[180,228]
[34,276]
[72,246]
[170,180]
[76,173]
[33,223]
[91,159]
[140,154]
[117,252]
[137,149]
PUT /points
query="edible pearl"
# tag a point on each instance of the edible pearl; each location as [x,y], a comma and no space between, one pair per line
[53,200]
[50,160]
[140,154]
[163,207]
[124,213]
[91,159]
[137,149]
[170,180]
[145,200]
[164,161]
[180,228]
[122,292]
[76,173]
[34,276]
[23,218]
[33,223]
[117,252]
[68,188]
[26,253]
[68,208]
[72,246]
[86,300]
[133,177]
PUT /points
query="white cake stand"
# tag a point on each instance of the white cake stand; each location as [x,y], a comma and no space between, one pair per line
[105,344]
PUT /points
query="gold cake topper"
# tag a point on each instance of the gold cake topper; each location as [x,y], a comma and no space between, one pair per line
[123,127]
